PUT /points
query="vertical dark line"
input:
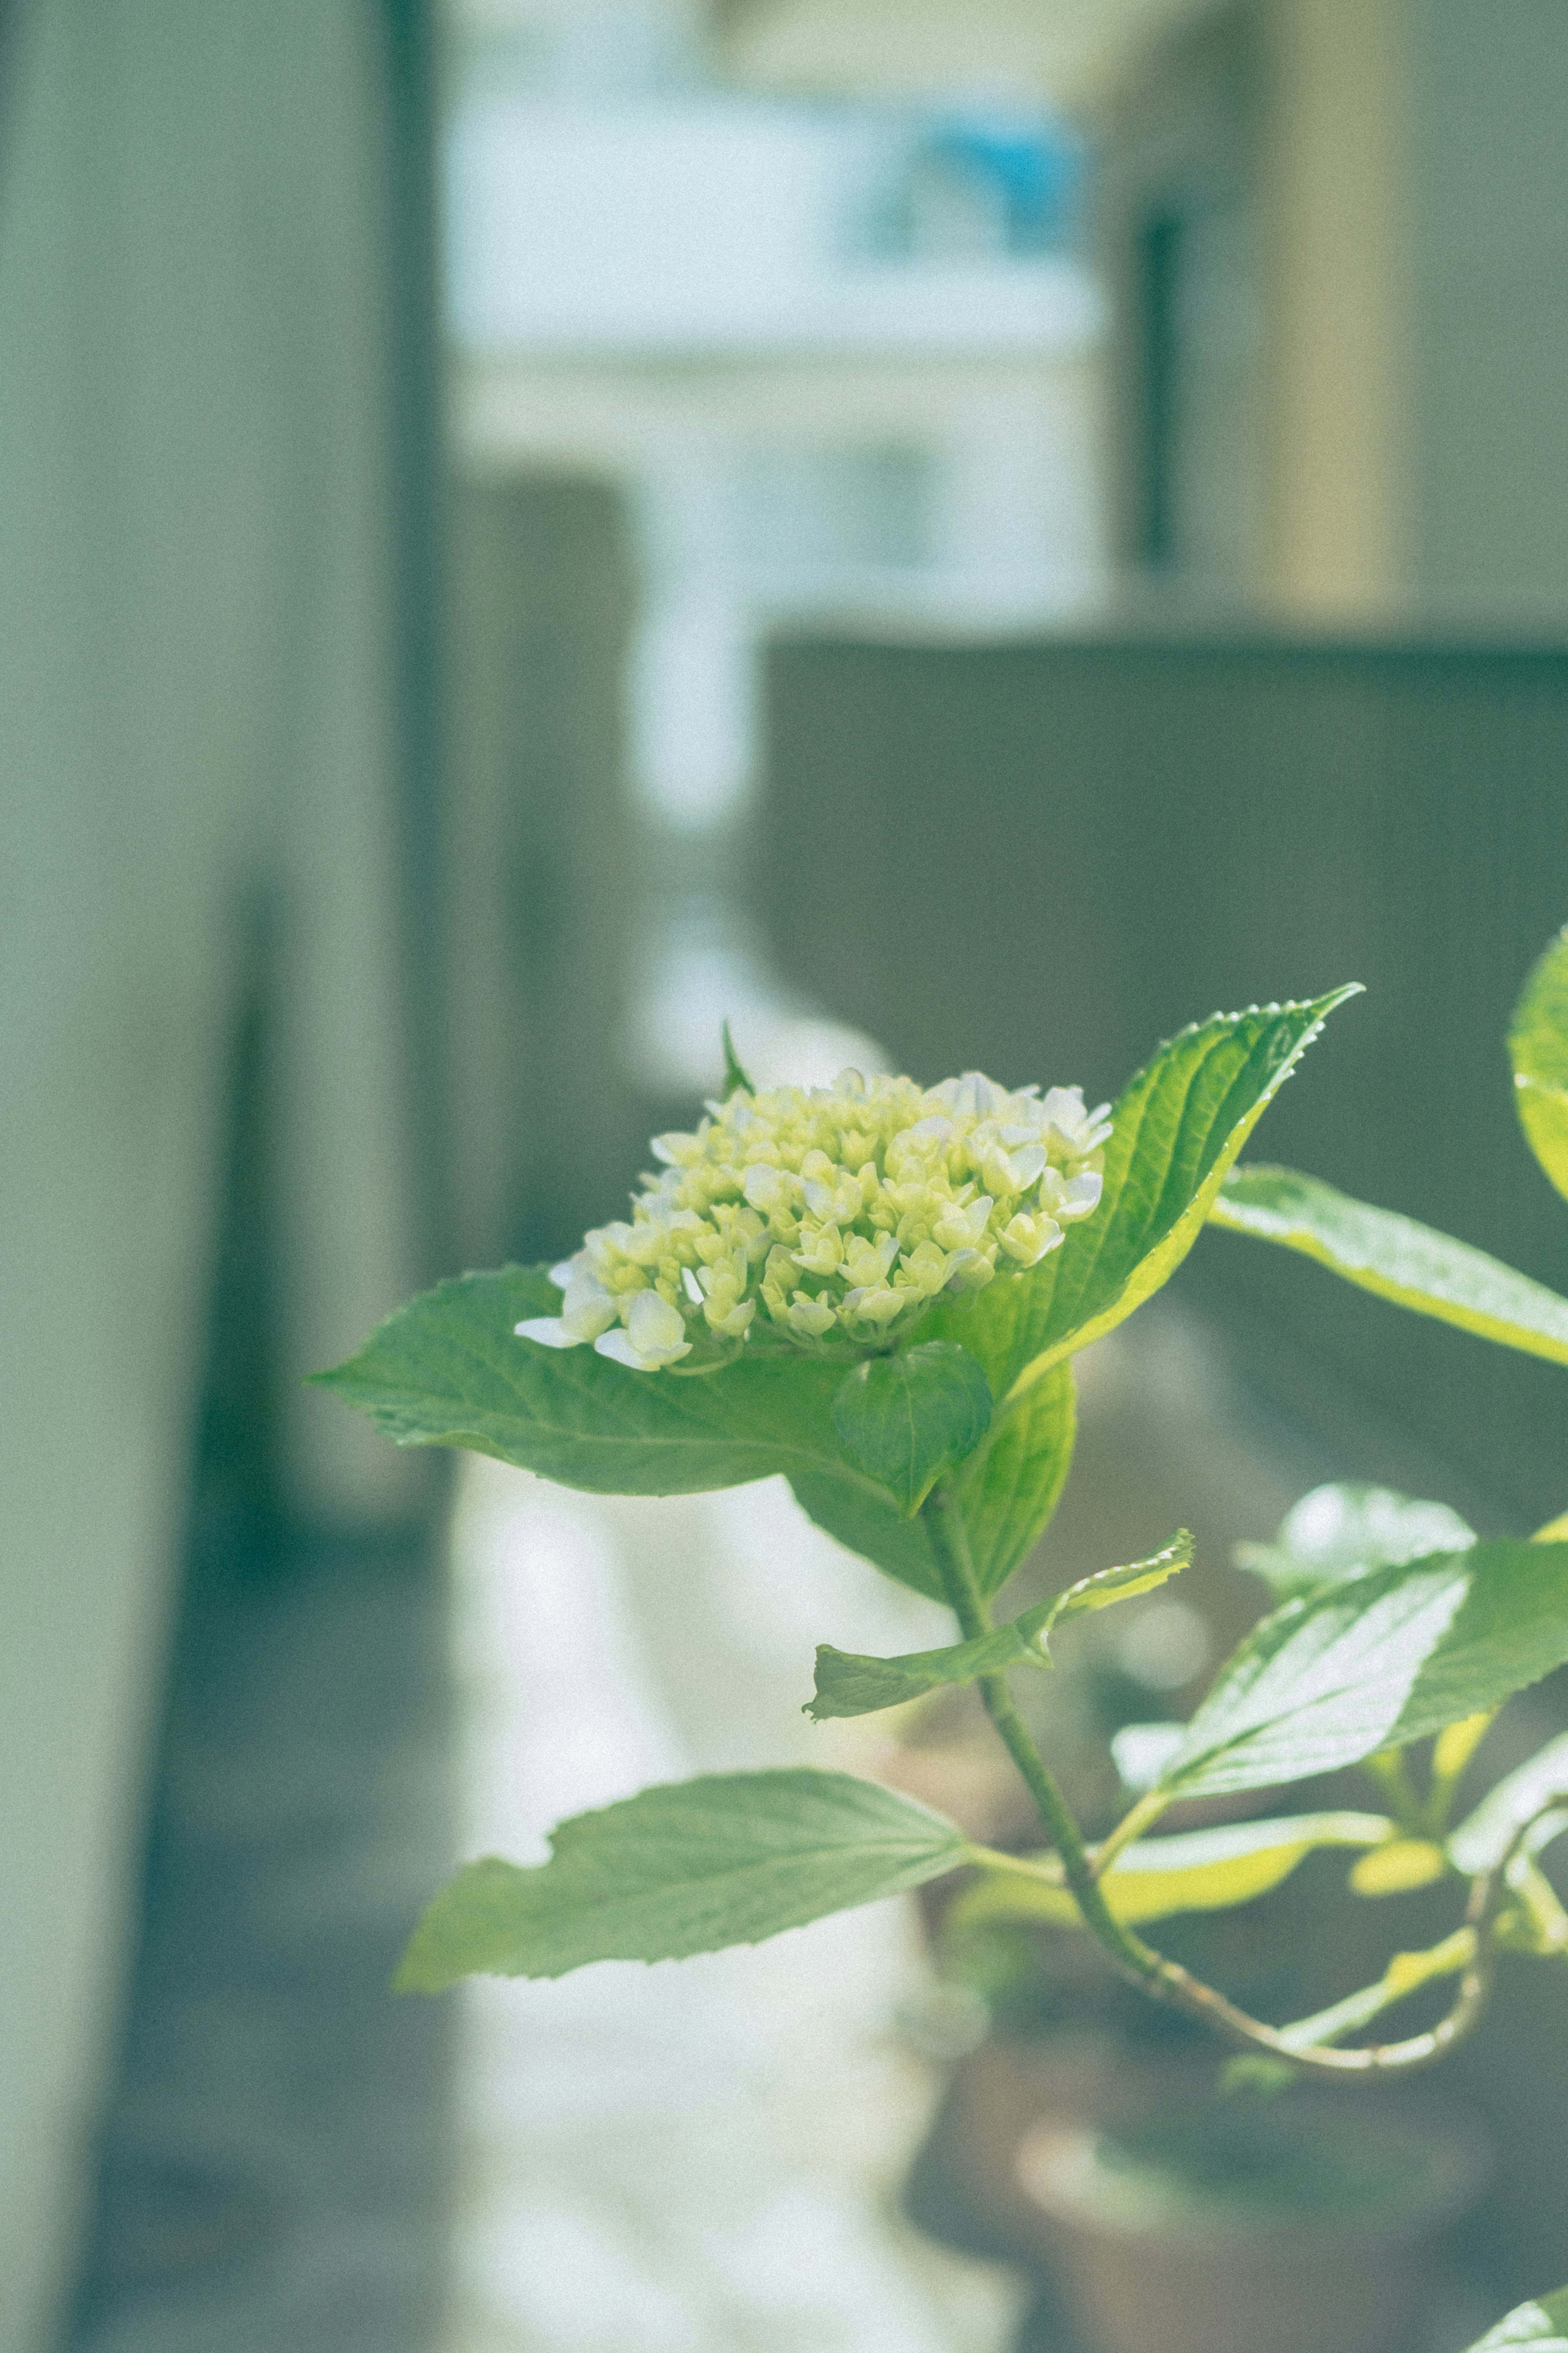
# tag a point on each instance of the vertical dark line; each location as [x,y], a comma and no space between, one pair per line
[1159,270]
[415,371]
[236,1481]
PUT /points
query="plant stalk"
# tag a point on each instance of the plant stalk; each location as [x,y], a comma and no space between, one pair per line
[1166,1979]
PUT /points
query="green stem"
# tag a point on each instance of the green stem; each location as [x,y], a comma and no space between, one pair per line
[1132,1825]
[1165,1980]
[950,1542]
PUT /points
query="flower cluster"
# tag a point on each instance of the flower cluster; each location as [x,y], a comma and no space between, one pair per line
[842,1213]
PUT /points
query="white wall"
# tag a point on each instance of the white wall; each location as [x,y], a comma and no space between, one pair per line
[194,680]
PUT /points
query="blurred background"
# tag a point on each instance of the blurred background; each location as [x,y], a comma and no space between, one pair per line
[952,533]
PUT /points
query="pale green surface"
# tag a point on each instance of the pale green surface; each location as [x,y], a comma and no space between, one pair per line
[907,1418]
[1384,1660]
[1341,1529]
[690,1867]
[1544,2327]
[1198,1871]
[1482,1839]
[850,1684]
[1538,1048]
[1412,1264]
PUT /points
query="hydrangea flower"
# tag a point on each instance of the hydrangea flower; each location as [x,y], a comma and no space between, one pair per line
[837,1216]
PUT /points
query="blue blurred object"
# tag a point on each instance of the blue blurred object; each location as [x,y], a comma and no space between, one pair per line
[1023,176]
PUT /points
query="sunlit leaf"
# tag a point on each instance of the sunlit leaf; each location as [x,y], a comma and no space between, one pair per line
[1538,1048]
[1483,1838]
[1395,1257]
[1178,1126]
[1198,1871]
[908,1418]
[687,1868]
[1141,1752]
[1375,1662]
[850,1684]
[1543,2326]
[1336,1531]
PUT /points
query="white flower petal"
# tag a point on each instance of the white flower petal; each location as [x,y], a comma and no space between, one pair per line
[1082,1194]
[619,1349]
[653,1323]
[588,1308]
[549,1331]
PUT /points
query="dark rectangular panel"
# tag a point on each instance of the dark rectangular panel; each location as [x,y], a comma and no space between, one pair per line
[1040,858]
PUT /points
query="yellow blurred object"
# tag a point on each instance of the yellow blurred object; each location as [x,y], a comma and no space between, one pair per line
[1401,1865]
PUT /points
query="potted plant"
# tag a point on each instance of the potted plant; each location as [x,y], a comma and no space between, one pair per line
[877,1289]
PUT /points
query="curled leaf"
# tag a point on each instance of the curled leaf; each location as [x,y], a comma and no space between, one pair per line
[849,1684]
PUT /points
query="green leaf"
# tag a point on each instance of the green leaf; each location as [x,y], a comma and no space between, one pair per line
[735,1078]
[848,1684]
[1200,1871]
[1005,1494]
[449,1370]
[1337,1531]
[1380,1251]
[1484,1837]
[1375,1662]
[865,1518]
[1178,1126]
[1538,1048]
[907,1418]
[1543,2326]
[686,1868]
[1122,1584]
